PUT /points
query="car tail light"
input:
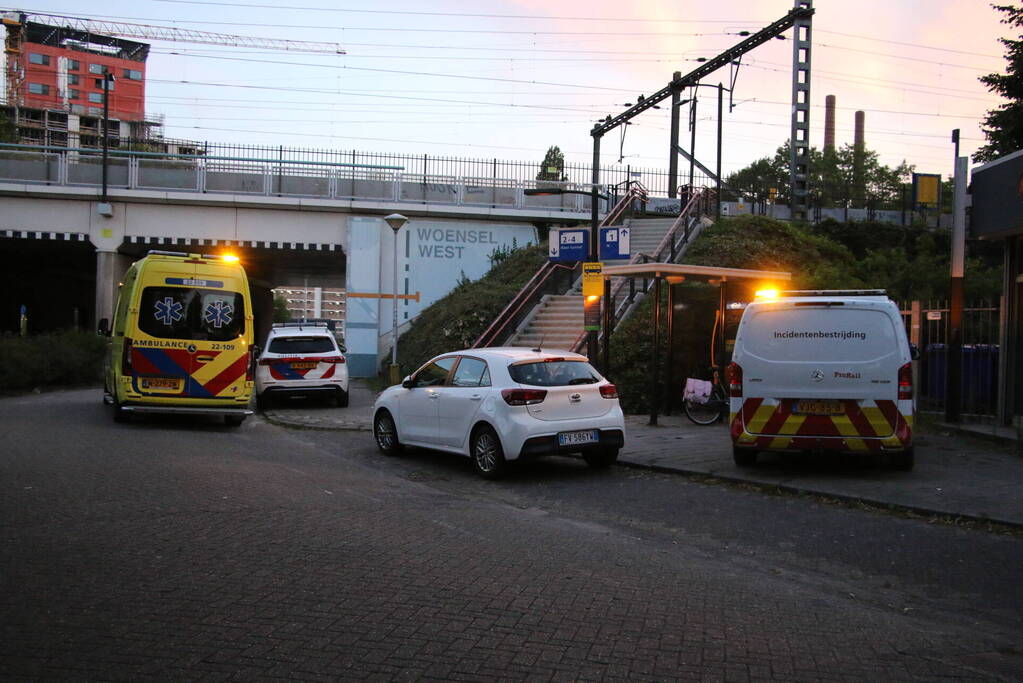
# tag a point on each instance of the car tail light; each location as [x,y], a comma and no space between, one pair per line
[906,382]
[523,397]
[332,359]
[609,391]
[734,374]
[266,361]
[126,357]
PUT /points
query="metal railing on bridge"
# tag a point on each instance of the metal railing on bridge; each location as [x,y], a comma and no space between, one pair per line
[268,177]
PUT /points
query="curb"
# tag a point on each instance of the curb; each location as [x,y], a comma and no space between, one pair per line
[795,490]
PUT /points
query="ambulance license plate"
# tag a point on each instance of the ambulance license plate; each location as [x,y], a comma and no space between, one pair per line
[304,365]
[161,383]
[576,438]
[819,407]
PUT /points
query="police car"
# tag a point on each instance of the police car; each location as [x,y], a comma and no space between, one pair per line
[301,359]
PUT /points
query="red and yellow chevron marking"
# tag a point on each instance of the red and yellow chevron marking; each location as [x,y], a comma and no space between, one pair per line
[868,425]
[214,374]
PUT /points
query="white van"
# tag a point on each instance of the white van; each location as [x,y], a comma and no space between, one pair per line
[822,370]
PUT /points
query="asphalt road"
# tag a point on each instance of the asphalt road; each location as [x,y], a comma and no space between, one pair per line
[182,549]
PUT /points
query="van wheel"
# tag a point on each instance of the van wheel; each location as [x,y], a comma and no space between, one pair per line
[601,459]
[120,414]
[341,398]
[744,457]
[903,461]
[234,420]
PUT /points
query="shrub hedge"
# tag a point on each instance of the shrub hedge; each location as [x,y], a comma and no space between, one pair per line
[66,358]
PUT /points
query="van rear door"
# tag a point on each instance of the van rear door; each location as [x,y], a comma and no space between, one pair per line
[195,321]
[825,362]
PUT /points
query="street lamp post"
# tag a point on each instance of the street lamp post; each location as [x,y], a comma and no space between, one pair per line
[395,221]
[108,79]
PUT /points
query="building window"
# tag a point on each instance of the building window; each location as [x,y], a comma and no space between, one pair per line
[97,69]
[38,89]
[35,58]
[99,84]
[96,97]
[72,79]
[133,74]
[74,65]
[73,94]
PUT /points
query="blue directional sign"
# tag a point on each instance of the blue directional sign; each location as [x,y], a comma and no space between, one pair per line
[614,243]
[569,244]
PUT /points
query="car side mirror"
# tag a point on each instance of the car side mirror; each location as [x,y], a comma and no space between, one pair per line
[408,383]
[914,352]
[103,328]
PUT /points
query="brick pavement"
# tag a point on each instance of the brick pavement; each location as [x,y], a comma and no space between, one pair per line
[956,475]
[178,550]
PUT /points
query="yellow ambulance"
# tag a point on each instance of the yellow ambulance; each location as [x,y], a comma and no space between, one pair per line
[181,339]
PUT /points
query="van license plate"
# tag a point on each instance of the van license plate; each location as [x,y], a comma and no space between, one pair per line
[161,383]
[819,407]
[576,438]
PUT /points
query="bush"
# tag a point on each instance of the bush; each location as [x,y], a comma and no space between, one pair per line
[65,358]
[457,320]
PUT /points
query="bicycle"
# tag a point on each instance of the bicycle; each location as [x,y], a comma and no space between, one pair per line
[709,408]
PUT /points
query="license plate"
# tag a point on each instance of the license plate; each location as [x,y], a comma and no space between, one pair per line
[161,383]
[576,438]
[819,407]
[304,365]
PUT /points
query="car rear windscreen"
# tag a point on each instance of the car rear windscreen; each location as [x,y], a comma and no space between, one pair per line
[297,345]
[820,333]
[184,313]
[558,373]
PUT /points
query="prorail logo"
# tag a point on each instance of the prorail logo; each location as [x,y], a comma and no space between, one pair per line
[847,375]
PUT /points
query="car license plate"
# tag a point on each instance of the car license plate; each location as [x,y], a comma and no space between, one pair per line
[161,383]
[819,407]
[304,365]
[576,438]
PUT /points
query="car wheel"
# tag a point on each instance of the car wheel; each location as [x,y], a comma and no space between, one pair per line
[744,457]
[486,453]
[263,401]
[601,459]
[341,398]
[386,433]
[903,461]
[234,420]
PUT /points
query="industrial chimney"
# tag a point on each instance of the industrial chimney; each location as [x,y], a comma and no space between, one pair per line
[829,123]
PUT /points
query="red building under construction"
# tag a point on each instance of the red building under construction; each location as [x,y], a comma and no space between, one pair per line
[56,71]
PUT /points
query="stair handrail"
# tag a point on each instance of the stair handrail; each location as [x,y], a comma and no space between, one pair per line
[697,200]
[533,290]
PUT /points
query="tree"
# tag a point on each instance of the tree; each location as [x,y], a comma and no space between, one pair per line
[1003,127]
[281,312]
[553,165]
[8,132]
[837,178]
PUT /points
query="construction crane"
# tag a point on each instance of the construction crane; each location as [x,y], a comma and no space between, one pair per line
[104,34]
[14,19]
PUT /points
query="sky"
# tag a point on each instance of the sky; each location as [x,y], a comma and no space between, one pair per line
[508,79]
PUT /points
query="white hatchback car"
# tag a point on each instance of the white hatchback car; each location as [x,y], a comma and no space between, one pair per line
[301,359]
[499,404]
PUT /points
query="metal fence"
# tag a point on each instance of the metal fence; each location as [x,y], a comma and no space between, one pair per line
[927,324]
[427,165]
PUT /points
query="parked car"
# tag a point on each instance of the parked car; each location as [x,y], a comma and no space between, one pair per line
[495,405]
[301,359]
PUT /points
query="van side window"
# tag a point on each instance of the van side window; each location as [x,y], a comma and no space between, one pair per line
[182,313]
